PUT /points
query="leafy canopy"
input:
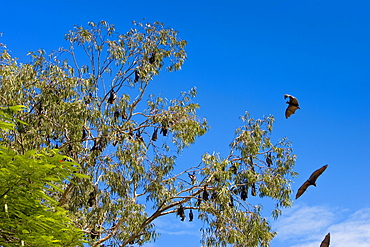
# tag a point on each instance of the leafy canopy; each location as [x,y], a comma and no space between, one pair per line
[92,101]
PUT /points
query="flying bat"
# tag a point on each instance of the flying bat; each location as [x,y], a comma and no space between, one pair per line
[292,105]
[310,181]
[326,241]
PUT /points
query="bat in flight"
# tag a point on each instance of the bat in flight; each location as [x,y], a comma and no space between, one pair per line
[326,241]
[310,181]
[292,105]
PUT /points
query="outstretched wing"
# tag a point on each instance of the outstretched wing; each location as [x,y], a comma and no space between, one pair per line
[316,174]
[292,105]
[302,189]
[326,241]
[290,110]
[292,100]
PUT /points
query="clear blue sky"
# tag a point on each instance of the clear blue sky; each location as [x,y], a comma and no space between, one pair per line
[244,56]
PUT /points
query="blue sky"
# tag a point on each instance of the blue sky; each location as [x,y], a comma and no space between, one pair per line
[244,56]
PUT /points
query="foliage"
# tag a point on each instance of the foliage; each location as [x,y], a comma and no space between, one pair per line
[91,102]
[29,215]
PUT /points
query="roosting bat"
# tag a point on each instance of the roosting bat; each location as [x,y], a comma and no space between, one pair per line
[253,192]
[269,160]
[310,181]
[192,177]
[292,105]
[181,213]
[244,193]
[137,76]
[155,135]
[191,215]
[152,58]
[205,194]
[112,97]
[326,241]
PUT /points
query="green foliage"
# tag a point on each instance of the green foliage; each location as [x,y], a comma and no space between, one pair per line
[29,215]
[91,101]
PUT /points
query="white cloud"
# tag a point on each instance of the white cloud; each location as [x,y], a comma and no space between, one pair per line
[174,226]
[306,226]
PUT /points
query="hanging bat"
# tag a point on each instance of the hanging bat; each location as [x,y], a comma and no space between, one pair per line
[112,97]
[152,58]
[253,192]
[269,160]
[155,135]
[181,213]
[164,129]
[292,105]
[192,177]
[94,234]
[137,76]
[205,194]
[310,181]
[326,241]
[191,215]
[244,193]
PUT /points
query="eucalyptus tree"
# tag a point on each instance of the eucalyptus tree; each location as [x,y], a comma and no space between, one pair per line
[90,101]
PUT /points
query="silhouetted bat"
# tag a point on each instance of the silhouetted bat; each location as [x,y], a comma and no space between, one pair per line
[192,177]
[205,194]
[310,181]
[137,76]
[152,58]
[181,213]
[244,193]
[269,160]
[253,192]
[155,135]
[292,105]
[94,234]
[164,129]
[191,216]
[326,241]
[112,97]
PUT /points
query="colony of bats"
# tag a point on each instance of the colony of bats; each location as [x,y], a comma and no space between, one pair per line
[204,196]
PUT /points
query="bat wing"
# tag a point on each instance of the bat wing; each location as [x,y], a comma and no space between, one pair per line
[290,110]
[302,189]
[316,174]
[292,100]
[326,241]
